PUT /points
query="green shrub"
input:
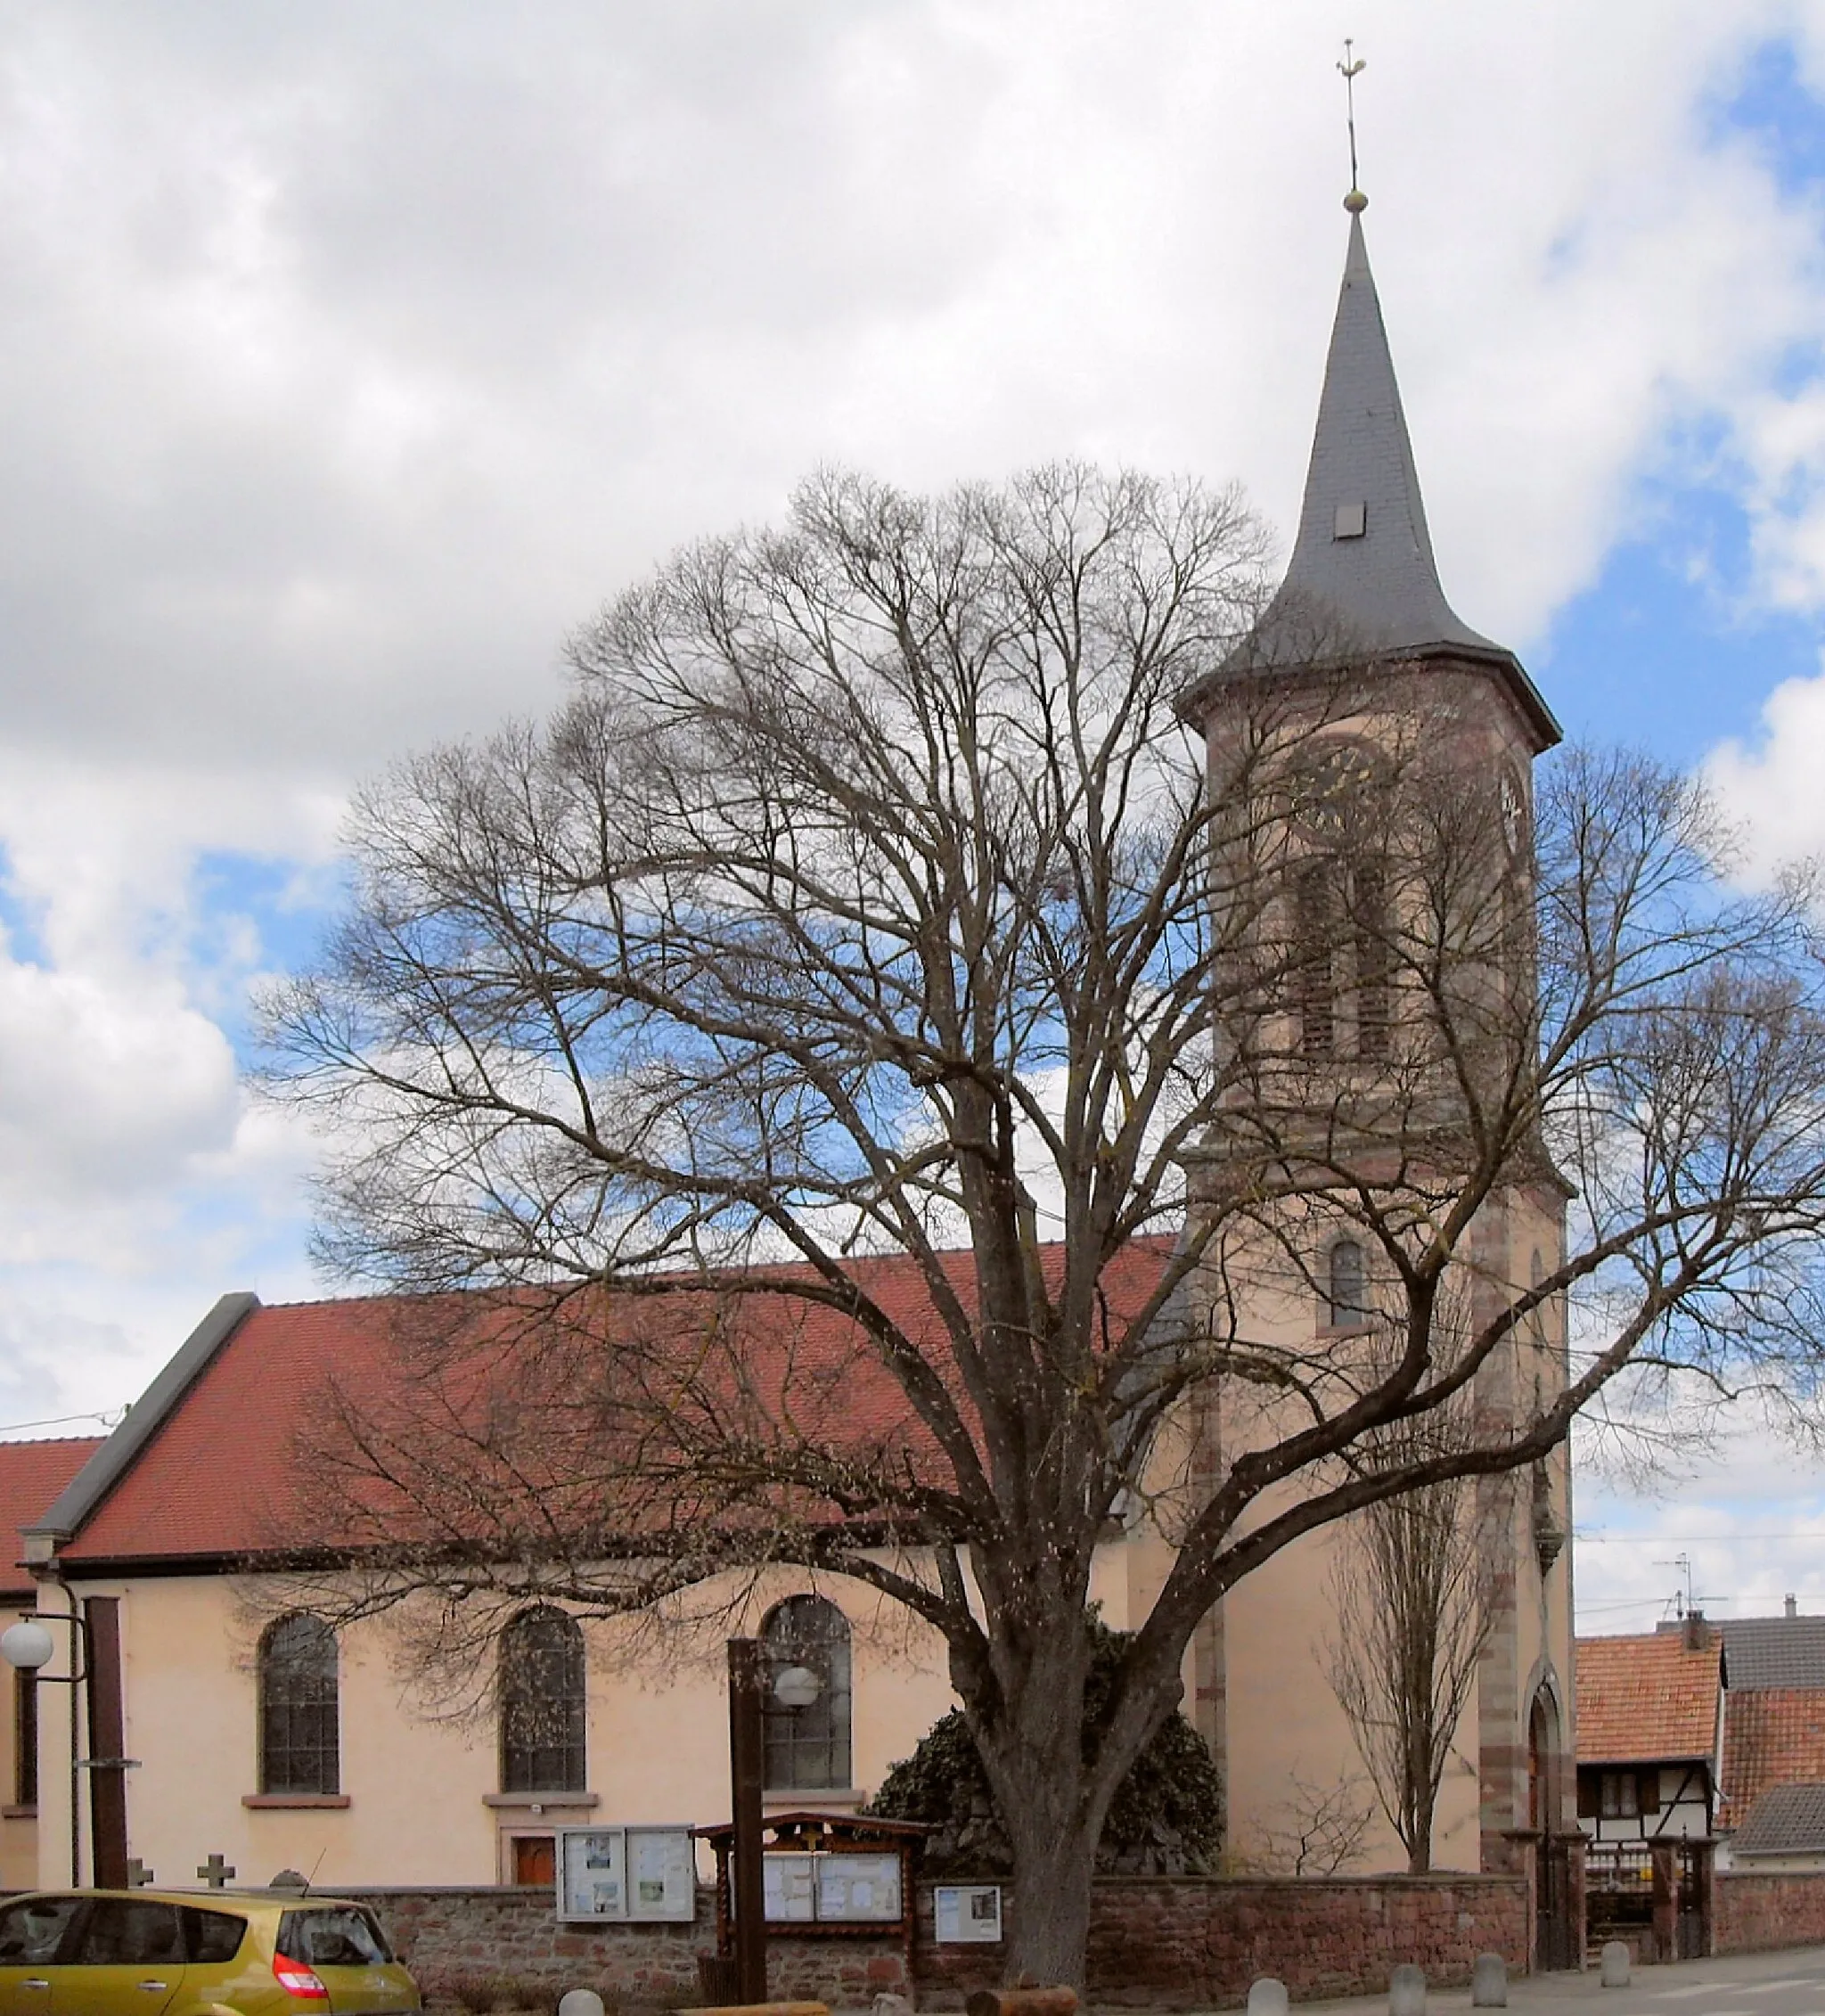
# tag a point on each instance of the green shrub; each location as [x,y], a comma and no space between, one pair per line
[1166,1819]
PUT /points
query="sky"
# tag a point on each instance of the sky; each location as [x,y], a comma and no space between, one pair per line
[351,355]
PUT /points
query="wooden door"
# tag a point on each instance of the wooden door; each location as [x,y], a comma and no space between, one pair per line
[535,1860]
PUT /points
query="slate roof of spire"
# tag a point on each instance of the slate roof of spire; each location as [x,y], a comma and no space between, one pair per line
[1362,581]
[1382,583]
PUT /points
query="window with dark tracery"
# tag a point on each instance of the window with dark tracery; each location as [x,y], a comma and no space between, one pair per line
[1345,1286]
[1374,962]
[1342,959]
[542,1685]
[299,1743]
[807,1749]
[1314,935]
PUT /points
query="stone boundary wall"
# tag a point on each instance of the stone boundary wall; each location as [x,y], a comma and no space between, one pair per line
[1180,1943]
[1758,1913]
[1192,1944]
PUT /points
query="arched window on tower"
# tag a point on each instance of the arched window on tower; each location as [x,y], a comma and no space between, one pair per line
[1374,948]
[807,1749]
[1314,942]
[1342,960]
[1345,1286]
[301,1747]
[542,1702]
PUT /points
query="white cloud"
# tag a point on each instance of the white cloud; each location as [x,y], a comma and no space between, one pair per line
[354,354]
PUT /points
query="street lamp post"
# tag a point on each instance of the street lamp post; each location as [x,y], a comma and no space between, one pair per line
[794,1687]
[27,1647]
[746,1746]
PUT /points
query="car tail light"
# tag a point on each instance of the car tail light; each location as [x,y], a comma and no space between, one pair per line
[297,1980]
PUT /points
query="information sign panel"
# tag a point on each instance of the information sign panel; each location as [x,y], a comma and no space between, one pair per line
[661,1876]
[859,1890]
[791,1888]
[592,1872]
[634,1874]
[968,1914]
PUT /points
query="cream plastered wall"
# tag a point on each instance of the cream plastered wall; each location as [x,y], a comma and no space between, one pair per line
[1286,1743]
[1289,1746]
[418,1788]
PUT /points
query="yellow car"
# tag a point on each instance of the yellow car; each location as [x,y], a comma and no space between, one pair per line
[195,1953]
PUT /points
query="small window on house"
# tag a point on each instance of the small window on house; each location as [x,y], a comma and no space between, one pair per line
[807,1749]
[299,1747]
[1620,1799]
[1345,1286]
[541,1704]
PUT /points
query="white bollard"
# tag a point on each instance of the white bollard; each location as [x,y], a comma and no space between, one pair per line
[1616,1965]
[1267,1997]
[580,2002]
[1406,1992]
[1489,1982]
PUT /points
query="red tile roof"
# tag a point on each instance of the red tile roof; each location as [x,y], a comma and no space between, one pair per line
[1646,1698]
[31,1474]
[1772,1736]
[238,1469]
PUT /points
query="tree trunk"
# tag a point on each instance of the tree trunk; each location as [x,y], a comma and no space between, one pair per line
[1033,1756]
[1423,1800]
[1050,1925]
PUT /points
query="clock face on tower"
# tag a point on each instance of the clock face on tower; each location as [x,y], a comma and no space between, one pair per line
[1340,776]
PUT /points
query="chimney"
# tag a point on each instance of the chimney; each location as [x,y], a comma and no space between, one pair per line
[1793,1607]
[1696,1636]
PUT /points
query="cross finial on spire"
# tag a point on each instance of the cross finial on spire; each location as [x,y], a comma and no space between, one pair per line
[1351,67]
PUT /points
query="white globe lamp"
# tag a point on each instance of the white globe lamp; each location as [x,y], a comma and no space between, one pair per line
[795,1686]
[27,1645]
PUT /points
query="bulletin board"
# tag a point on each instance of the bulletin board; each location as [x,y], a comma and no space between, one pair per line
[626,1875]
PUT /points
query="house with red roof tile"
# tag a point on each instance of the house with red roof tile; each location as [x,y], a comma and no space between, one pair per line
[1771,1798]
[1650,1723]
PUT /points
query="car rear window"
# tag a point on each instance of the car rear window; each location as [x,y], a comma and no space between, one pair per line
[336,1935]
[212,1937]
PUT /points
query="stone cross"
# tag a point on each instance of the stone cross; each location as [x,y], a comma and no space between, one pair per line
[215,1872]
[137,1874]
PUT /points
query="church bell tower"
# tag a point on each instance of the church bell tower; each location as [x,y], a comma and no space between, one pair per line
[1359,651]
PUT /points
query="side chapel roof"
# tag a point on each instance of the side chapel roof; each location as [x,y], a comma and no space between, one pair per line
[31,1474]
[1362,582]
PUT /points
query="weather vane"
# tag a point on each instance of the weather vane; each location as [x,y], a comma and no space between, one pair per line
[1351,67]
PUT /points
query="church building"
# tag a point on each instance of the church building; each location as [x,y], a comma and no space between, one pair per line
[260,1735]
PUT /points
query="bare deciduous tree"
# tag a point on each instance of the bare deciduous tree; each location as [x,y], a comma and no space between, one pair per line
[868,899]
[1411,1585]
[1321,1828]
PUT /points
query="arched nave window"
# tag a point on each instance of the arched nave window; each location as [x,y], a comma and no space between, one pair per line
[807,1749]
[542,1702]
[299,1743]
[1346,1285]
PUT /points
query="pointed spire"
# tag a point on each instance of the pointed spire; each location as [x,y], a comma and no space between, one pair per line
[1362,570]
